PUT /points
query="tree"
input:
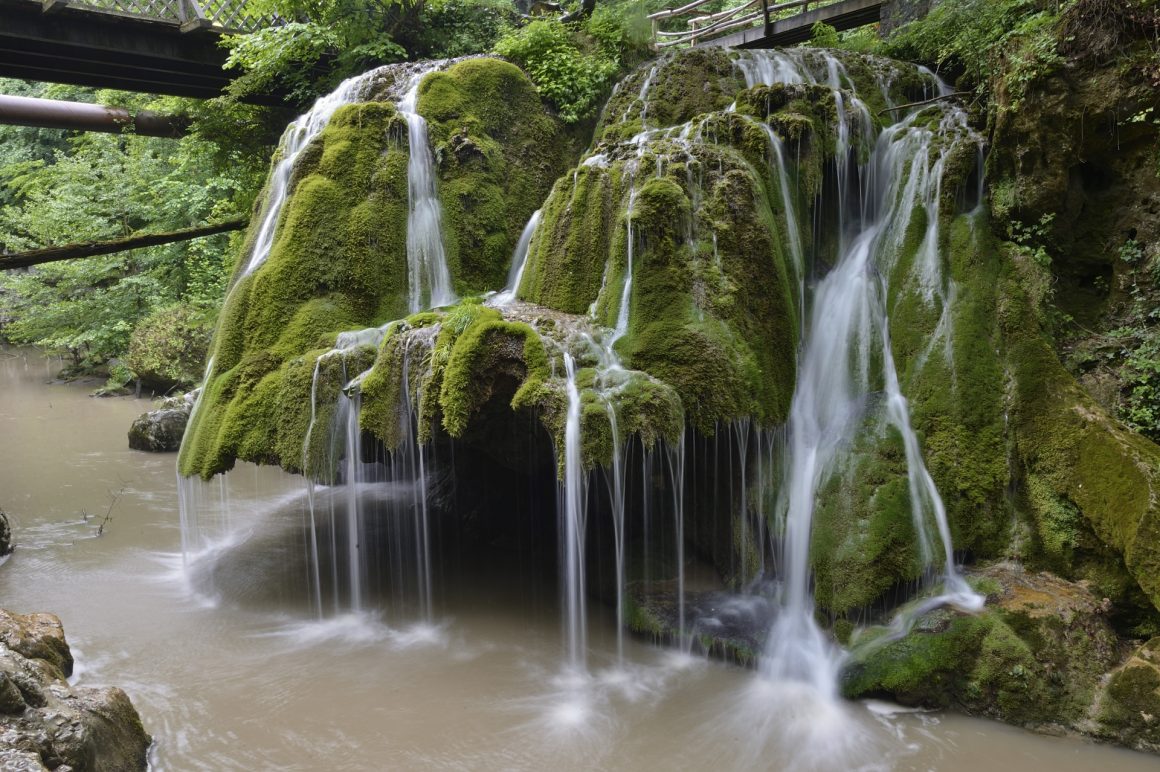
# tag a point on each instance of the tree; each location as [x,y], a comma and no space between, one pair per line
[58,188]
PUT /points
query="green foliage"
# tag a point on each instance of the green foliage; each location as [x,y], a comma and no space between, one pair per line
[57,189]
[281,57]
[327,41]
[1034,238]
[983,39]
[450,28]
[823,35]
[168,348]
[551,55]
[574,65]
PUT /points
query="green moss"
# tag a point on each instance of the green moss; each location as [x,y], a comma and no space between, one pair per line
[864,540]
[392,381]
[1130,705]
[338,260]
[566,259]
[957,390]
[1057,521]
[682,86]
[494,169]
[928,667]
[978,664]
[487,352]
[728,350]
[1075,450]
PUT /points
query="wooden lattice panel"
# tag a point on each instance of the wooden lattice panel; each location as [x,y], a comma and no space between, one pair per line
[162,10]
[225,14]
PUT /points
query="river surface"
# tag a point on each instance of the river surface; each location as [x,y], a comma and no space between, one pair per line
[223,685]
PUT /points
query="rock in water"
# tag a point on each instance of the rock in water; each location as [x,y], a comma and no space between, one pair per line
[5,534]
[47,724]
[161,430]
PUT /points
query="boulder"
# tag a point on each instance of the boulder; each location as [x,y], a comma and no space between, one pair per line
[1128,709]
[5,534]
[161,430]
[47,724]
[1038,656]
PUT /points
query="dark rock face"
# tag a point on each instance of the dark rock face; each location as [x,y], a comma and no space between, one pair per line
[898,12]
[5,534]
[161,430]
[47,724]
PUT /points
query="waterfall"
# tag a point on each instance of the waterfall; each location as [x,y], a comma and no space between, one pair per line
[429,284]
[572,513]
[519,262]
[296,137]
[845,360]
[428,278]
[849,323]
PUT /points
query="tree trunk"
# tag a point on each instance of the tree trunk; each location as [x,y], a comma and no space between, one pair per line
[94,248]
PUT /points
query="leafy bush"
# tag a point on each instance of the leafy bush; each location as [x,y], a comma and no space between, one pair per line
[983,39]
[551,55]
[450,28]
[574,65]
[168,348]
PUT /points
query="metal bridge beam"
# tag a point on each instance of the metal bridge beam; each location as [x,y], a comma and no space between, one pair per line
[105,50]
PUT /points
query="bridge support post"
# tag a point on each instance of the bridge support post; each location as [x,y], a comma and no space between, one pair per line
[765,15]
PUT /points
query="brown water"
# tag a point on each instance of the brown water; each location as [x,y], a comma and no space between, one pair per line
[225,686]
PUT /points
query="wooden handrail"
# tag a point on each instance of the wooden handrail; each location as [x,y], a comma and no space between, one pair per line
[684,9]
[721,21]
[710,17]
[744,21]
[668,13]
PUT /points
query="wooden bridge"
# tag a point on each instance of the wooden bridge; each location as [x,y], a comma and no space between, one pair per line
[760,24]
[153,46]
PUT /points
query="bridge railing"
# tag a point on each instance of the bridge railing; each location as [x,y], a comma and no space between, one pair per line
[220,15]
[705,26]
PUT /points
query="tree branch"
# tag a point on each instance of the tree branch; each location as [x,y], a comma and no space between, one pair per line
[94,248]
[930,101]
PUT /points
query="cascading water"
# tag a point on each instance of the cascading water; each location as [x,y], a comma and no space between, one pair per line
[849,324]
[429,284]
[428,278]
[847,337]
[519,262]
[296,137]
[573,516]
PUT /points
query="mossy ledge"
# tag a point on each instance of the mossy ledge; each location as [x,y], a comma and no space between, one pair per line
[446,370]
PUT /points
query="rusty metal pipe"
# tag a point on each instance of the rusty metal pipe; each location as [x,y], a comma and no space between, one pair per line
[80,116]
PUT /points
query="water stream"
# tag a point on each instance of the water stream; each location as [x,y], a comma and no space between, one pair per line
[235,683]
[428,277]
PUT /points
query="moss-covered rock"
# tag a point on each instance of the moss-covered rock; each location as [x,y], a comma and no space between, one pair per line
[676,88]
[1035,657]
[499,153]
[1129,707]
[338,260]
[1074,453]
[712,306]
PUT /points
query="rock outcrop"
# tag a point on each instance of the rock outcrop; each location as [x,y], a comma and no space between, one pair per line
[5,534]
[1042,655]
[161,430]
[47,724]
